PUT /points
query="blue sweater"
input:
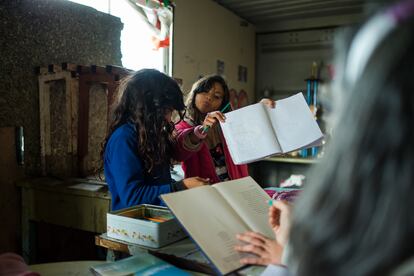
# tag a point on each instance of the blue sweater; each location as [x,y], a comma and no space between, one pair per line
[129,183]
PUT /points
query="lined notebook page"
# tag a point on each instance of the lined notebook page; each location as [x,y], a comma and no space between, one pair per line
[249,134]
[294,123]
[250,201]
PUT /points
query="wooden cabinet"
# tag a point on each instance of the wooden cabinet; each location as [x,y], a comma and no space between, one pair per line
[55,202]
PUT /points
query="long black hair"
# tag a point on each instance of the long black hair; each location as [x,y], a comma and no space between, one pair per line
[355,215]
[143,99]
[204,85]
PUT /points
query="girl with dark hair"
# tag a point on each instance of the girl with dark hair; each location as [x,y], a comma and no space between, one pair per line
[140,144]
[355,215]
[207,154]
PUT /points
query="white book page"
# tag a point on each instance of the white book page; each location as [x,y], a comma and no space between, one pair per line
[249,134]
[86,187]
[250,201]
[211,222]
[294,123]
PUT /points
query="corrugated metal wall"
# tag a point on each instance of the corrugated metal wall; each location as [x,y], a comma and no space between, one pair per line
[268,15]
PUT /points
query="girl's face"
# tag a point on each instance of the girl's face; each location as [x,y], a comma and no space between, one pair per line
[209,101]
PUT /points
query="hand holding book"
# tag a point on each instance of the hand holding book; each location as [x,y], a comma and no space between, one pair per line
[211,119]
[214,117]
[257,131]
[223,210]
[267,251]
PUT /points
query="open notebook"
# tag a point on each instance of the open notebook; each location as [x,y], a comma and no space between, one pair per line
[213,215]
[257,131]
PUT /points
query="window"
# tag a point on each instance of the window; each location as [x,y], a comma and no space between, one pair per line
[137,47]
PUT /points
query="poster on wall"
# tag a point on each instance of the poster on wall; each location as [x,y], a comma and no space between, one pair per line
[220,67]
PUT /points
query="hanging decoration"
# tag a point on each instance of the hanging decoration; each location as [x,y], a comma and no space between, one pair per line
[162,39]
[159,16]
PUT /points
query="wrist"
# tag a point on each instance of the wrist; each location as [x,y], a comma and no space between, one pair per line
[178,186]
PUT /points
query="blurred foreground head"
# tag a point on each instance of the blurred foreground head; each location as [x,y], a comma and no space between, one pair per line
[355,215]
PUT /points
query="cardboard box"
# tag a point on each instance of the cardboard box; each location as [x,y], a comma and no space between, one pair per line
[147,225]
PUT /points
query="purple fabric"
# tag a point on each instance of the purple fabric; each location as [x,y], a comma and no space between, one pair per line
[402,10]
[289,196]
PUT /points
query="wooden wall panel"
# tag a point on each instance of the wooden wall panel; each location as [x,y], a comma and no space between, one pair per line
[10,237]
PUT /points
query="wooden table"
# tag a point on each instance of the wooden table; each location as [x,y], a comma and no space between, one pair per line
[184,254]
[78,268]
[54,201]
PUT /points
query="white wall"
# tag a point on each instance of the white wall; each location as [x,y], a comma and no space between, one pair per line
[287,49]
[205,32]
[284,60]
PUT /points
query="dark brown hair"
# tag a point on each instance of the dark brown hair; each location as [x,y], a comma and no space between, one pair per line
[143,99]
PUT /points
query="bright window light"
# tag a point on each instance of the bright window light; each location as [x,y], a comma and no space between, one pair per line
[136,46]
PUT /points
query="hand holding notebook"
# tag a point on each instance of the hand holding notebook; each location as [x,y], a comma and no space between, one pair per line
[256,131]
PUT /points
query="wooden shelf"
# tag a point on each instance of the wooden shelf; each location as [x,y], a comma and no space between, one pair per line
[293,160]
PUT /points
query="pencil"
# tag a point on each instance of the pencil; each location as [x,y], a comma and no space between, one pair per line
[225,107]
[205,129]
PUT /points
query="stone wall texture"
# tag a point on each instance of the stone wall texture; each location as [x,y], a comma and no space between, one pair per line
[40,32]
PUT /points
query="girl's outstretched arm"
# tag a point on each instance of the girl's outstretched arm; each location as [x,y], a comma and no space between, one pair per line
[185,147]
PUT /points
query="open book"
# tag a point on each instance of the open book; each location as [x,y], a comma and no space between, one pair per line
[257,131]
[213,215]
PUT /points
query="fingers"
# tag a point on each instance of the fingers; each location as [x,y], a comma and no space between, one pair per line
[255,235]
[280,220]
[196,181]
[209,121]
[204,180]
[250,248]
[267,250]
[254,261]
[282,205]
[269,102]
[252,238]
[262,255]
[278,209]
[215,116]
[274,216]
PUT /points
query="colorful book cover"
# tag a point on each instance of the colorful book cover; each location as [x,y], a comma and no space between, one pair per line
[141,264]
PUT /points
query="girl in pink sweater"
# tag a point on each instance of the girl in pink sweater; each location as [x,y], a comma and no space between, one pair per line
[207,152]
